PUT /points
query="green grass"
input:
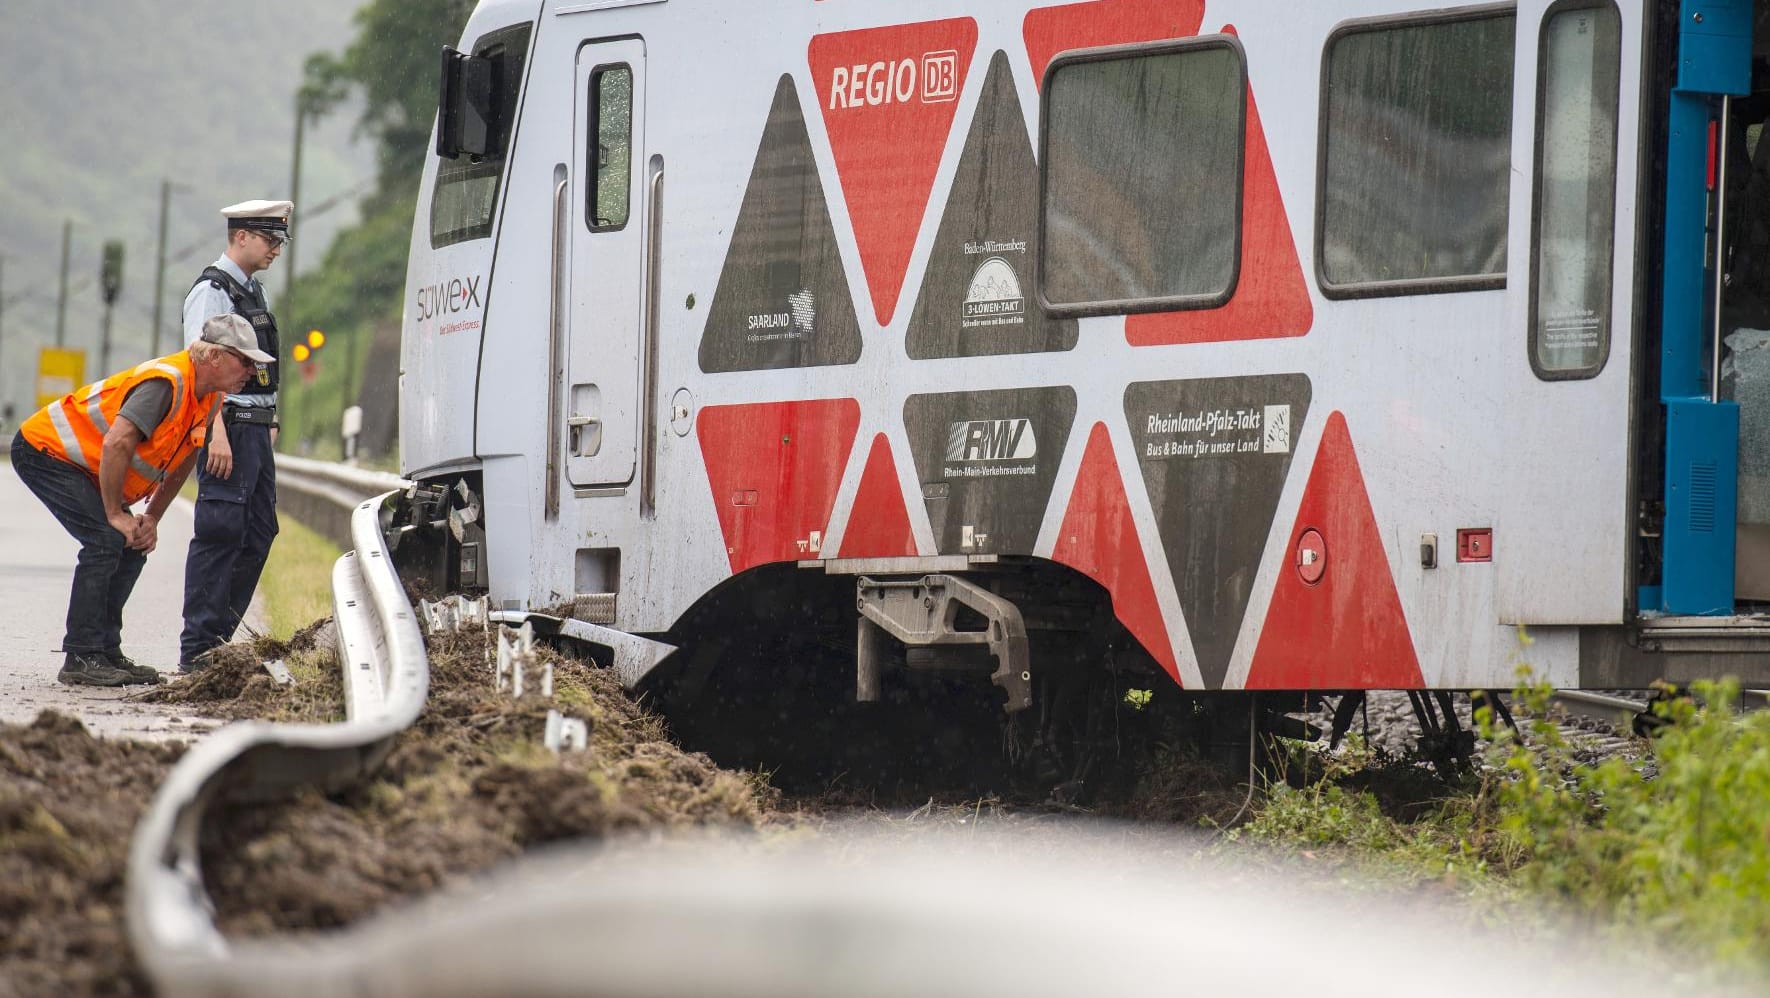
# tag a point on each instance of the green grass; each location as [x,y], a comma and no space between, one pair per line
[297,579]
[1674,848]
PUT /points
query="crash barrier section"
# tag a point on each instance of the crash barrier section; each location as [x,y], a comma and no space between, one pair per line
[386,675]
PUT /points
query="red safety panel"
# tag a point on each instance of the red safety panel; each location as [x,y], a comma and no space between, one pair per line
[774,468]
[888,96]
[1347,631]
[1270,298]
[879,524]
[1050,30]
[1099,539]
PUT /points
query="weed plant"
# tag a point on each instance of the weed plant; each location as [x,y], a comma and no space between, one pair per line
[1673,846]
[1677,845]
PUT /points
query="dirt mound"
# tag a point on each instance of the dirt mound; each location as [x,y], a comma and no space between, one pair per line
[68,803]
[470,785]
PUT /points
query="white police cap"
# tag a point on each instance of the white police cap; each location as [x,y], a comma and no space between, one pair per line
[260,216]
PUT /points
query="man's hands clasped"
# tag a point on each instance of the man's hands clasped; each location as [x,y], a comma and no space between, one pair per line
[140,531]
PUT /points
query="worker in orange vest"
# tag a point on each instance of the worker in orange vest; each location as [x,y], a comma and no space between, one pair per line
[91,455]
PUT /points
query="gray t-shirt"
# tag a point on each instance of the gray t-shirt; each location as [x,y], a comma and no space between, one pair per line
[147,404]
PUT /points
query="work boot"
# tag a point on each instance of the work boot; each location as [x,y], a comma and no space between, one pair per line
[194,664]
[92,669]
[142,675]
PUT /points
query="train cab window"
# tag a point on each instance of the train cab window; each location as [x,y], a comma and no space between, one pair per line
[611,153]
[1140,198]
[1575,209]
[465,197]
[1414,164]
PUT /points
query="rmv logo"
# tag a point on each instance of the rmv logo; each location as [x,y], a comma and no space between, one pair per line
[447,298]
[991,440]
[895,82]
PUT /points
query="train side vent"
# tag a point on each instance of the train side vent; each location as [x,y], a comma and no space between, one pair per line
[599,608]
[1702,497]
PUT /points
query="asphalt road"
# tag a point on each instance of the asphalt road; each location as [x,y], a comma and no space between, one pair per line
[36,567]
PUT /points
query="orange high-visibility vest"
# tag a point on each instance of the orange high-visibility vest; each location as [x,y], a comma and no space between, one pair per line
[72,428]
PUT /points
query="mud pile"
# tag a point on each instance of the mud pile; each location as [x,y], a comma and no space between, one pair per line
[68,803]
[471,784]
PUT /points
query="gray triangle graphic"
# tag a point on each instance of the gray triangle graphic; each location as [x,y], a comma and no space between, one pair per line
[783,298]
[1215,453]
[977,296]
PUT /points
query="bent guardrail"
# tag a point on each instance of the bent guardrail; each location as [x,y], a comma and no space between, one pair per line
[322,495]
[387,676]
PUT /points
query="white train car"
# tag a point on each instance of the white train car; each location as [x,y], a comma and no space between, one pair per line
[1272,346]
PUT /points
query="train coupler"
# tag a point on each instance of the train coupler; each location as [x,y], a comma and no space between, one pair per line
[948,616]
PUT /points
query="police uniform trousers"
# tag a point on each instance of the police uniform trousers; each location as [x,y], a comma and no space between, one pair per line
[105,573]
[236,521]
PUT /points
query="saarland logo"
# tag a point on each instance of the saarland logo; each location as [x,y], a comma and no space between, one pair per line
[896,81]
[991,440]
[447,298]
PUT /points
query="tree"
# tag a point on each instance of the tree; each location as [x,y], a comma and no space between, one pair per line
[358,290]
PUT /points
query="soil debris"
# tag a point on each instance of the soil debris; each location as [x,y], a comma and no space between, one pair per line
[469,786]
[68,803]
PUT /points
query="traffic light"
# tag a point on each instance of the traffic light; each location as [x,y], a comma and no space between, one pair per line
[306,349]
[110,275]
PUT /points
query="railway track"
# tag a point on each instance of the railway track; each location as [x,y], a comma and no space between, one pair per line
[1630,710]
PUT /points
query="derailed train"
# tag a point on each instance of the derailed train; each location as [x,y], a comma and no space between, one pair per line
[1263,346]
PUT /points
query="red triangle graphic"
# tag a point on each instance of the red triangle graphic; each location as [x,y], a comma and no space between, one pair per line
[879,523]
[774,468]
[888,96]
[1050,30]
[1099,539]
[1347,631]
[1270,298]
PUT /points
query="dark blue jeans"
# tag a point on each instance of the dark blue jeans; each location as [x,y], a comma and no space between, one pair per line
[107,568]
[236,521]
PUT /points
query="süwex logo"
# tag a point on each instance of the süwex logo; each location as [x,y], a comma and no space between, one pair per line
[445,298]
[991,440]
[443,301]
[933,78]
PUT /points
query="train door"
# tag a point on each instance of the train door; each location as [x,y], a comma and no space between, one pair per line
[1564,538]
[606,202]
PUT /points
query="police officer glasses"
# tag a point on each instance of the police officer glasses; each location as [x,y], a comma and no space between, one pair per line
[274,241]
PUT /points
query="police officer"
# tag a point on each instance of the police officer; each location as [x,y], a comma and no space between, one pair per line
[236,517]
[91,455]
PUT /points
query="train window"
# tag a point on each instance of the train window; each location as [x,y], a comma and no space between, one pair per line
[1415,158]
[1140,198]
[611,152]
[465,197]
[1575,210]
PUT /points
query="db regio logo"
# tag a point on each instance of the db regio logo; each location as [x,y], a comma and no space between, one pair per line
[935,77]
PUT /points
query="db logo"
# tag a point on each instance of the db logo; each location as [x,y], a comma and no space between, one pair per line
[885,83]
[940,77]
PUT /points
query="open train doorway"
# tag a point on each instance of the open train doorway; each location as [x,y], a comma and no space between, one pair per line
[1743,329]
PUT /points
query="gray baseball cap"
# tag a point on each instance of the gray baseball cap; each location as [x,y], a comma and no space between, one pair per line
[236,334]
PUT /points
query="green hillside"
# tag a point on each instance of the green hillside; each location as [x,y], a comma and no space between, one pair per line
[103,100]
